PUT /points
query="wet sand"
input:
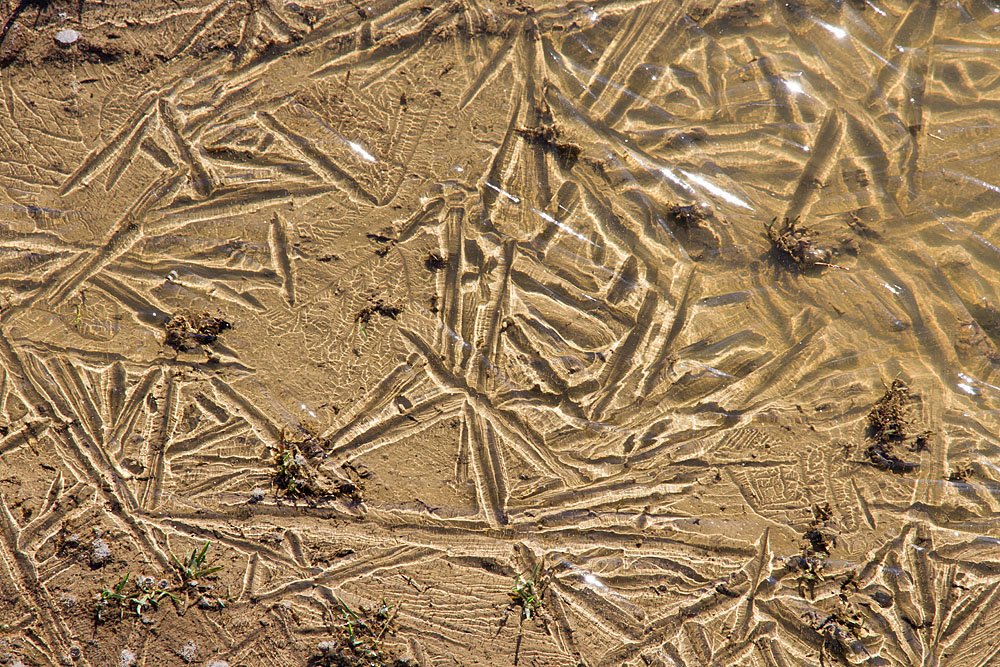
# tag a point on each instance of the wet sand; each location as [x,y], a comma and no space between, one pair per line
[488,333]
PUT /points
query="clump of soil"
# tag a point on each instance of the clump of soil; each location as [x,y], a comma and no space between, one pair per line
[794,246]
[546,137]
[887,424]
[188,331]
[376,307]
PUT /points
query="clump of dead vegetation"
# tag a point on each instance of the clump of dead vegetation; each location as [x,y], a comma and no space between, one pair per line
[188,330]
[435,261]
[376,307]
[887,425]
[687,216]
[818,540]
[546,137]
[794,245]
[296,476]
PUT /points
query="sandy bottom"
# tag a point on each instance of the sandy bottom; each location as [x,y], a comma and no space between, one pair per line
[479,333]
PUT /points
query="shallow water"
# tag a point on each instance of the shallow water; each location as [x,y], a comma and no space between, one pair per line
[502,302]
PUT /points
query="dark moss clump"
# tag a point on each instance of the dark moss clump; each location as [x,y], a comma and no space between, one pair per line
[188,331]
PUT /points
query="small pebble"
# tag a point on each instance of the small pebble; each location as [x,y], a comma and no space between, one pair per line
[67,36]
[101,553]
[189,651]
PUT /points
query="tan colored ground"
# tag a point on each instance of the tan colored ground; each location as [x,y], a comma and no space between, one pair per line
[398,306]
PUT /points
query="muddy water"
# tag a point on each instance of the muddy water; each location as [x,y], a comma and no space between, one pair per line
[621,333]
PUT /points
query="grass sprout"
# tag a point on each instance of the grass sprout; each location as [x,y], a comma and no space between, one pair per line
[194,568]
[359,638]
[142,595]
[526,593]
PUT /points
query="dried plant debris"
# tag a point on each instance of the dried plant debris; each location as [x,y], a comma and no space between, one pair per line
[887,419]
[794,246]
[685,216]
[887,425]
[818,539]
[376,307]
[817,542]
[188,331]
[809,572]
[882,456]
[384,243]
[434,261]
[546,137]
[922,441]
[960,474]
[296,476]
